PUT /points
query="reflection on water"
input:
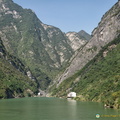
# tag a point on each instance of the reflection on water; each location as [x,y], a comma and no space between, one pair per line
[72,108]
[71,101]
[53,109]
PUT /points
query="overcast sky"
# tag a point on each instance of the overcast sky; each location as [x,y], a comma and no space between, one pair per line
[69,15]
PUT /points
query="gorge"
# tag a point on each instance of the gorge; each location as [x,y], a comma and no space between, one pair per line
[50,60]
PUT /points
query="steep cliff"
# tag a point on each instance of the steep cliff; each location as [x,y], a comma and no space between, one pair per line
[75,40]
[99,80]
[107,30]
[96,75]
[45,49]
[14,80]
[41,47]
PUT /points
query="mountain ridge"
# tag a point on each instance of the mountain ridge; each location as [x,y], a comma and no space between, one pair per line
[106,31]
[43,48]
[84,35]
[16,80]
[56,62]
[99,80]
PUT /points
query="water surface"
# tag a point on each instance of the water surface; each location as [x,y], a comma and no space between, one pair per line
[54,109]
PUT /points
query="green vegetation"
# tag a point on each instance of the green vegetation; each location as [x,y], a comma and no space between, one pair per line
[84,35]
[14,83]
[94,48]
[38,48]
[13,79]
[99,80]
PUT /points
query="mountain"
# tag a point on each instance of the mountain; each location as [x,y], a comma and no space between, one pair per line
[34,43]
[108,29]
[84,35]
[35,57]
[45,49]
[75,40]
[15,79]
[94,73]
[99,80]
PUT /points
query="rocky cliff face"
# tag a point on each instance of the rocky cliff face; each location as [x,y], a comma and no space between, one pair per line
[99,80]
[75,40]
[107,30]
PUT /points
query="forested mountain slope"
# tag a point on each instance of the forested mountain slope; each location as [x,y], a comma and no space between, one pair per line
[99,80]
[44,48]
[106,31]
[14,77]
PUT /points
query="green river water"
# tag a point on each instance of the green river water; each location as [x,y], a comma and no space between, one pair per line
[54,109]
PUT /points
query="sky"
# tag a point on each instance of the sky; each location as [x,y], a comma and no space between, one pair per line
[69,15]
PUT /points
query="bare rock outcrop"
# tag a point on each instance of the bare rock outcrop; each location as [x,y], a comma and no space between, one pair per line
[107,30]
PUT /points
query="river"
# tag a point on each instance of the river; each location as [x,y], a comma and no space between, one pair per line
[54,109]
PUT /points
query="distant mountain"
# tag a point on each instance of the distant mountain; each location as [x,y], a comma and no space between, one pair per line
[84,35]
[75,40]
[15,79]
